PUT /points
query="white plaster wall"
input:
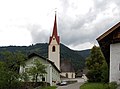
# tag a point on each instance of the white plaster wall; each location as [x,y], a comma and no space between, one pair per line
[115,63]
[29,64]
[55,76]
[50,67]
[54,56]
[63,74]
[49,77]
[69,74]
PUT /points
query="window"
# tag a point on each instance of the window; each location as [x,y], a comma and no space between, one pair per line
[43,78]
[66,75]
[53,49]
[72,75]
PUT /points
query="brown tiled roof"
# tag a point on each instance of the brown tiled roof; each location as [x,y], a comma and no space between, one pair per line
[66,66]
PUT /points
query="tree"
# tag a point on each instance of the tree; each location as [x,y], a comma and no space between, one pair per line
[3,76]
[105,72]
[13,60]
[97,66]
[9,76]
[37,70]
[24,76]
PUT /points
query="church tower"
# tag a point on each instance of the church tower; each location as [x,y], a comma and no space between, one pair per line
[54,46]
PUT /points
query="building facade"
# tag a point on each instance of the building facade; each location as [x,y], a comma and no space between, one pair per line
[110,46]
[67,70]
[115,62]
[53,74]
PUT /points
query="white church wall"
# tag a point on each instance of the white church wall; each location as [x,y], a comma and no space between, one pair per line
[54,56]
[55,76]
[115,62]
[70,74]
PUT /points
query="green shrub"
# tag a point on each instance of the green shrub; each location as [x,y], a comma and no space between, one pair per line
[113,85]
[94,76]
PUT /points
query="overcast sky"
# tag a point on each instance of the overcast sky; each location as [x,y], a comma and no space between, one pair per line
[80,22]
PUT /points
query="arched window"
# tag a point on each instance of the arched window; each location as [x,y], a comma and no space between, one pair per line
[53,49]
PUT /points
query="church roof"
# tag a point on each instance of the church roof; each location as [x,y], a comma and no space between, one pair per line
[66,66]
[55,34]
[52,63]
[109,37]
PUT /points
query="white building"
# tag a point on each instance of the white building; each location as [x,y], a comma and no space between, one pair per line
[67,70]
[53,61]
[110,46]
[53,74]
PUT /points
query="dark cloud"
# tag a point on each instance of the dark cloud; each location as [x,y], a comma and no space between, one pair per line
[38,34]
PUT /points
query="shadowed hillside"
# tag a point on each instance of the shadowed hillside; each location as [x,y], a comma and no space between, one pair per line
[76,57]
[84,53]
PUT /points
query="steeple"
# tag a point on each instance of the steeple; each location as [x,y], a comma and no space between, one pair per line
[54,46]
[55,34]
[55,27]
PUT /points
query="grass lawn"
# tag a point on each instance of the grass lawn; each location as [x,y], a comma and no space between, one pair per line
[49,87]
[92,86]
[99,86]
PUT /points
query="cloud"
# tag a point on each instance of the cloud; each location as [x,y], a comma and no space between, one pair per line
[79,23]
[38,33]
[81,29]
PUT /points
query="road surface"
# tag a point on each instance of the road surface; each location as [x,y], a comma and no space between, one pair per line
[71,86]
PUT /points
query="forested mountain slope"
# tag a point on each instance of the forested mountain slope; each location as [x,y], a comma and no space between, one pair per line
[76,57]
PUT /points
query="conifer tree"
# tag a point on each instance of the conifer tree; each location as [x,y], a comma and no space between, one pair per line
[97,66]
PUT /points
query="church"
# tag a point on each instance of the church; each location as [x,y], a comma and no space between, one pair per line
[55,68]
[110,46]
[52,62]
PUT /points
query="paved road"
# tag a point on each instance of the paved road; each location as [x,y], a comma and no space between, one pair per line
[71,86]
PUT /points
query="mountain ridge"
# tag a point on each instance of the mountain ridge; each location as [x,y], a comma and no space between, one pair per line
[76,57]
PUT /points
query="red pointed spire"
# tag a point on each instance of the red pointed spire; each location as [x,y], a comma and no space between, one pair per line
[55,28]
[55,32]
